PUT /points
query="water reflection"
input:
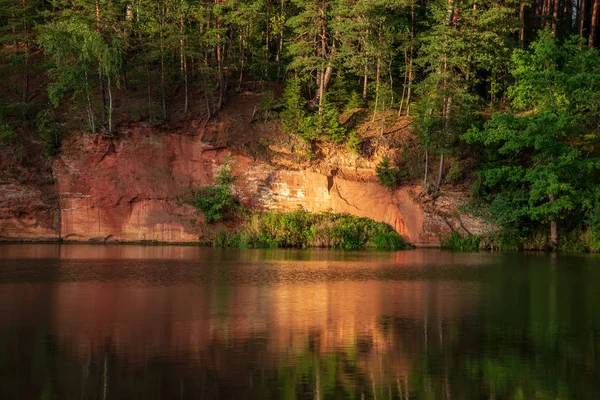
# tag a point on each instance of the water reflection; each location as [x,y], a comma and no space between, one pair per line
[183,322]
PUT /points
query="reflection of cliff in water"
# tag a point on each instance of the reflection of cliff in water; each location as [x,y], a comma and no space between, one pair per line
[91,322]
[307,329]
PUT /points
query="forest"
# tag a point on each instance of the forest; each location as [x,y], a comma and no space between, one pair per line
[503,96]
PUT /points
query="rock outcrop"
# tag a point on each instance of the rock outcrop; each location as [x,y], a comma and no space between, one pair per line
[29,212]
[130,188]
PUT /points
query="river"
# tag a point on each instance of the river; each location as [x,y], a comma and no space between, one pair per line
[169,322]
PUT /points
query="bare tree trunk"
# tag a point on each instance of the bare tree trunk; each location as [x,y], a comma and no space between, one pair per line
[185,81]
[162,77]
[440,174]
[278,55]
[582,17]
[553,234]
[377,81]
[323,50]
[411,74]
[555,16]
[90,111]
[365,83]
[220,77]
[426,168]
[100,75]
[553,229]
[382,117]
[404,84]
[568,13]
[267,40]
[280,45]
[522,25]
[545,10]
[242,56]
[321,93]
[182,60]
[593,25]
[110,107]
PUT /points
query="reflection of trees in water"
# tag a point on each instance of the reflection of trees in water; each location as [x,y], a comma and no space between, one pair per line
[529,332]
[447,359]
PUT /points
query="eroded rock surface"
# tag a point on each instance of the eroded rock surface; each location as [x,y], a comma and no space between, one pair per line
[28,212]
[130,188]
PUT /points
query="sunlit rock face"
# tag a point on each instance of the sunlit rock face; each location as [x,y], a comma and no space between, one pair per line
[131,187]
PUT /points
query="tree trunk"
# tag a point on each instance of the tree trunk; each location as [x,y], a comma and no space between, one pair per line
[242,51]
[593,25]
[90,111]
[328,74]
[553,228]
[440,175]
[545,10]
[321,93]
[411,74]
[450,13]
[162,77]
[426,169]
[323,53]
[267,40]
[110,107]
[182,59]
[280,45]
[377,81]
[382,118]
[365,83]
[149,90]
[554,234]
[522,25]
[100,75]
[568,13]
[555,16]
[404,84]
[220,77]
[582,17]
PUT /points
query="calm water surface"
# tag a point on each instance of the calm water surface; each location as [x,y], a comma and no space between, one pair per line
[132,322]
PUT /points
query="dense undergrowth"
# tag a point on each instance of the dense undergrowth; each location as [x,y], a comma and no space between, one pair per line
[577,241]
[302,229]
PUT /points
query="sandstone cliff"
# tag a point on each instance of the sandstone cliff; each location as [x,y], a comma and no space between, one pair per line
[130,187]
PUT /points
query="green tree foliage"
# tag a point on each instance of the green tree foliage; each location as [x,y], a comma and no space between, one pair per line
[388,175]
[446,64]
[542,164]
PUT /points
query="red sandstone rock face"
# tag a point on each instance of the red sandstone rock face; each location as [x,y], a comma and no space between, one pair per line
[28,213]
[129,189]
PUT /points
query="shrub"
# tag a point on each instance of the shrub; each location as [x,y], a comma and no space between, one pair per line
[301,229]
[294,114]
[505,239]
[49,130]
[328,123]
[355,101]
[7,135]
[226,239]
[388,175]
[456,242]
[217,201]
[389,241]
[456,173]
[269,103]
[353,143]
